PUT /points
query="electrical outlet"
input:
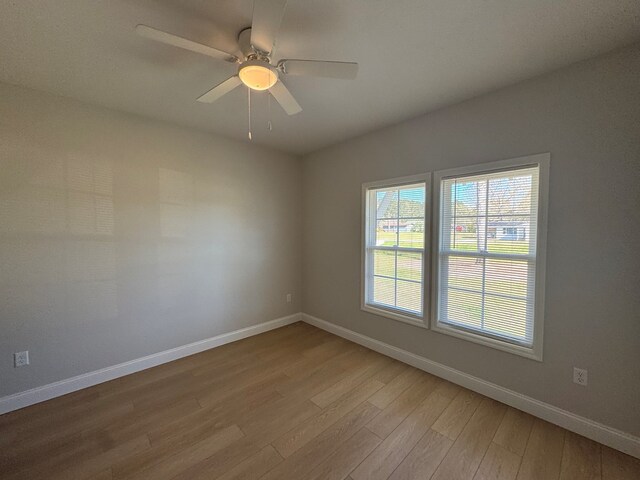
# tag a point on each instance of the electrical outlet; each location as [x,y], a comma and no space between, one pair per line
[580,376]
[20,359]
[289,297]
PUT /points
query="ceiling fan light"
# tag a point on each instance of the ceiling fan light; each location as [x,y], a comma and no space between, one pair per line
[257,76]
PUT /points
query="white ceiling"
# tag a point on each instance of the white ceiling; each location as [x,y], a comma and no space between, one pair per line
[414,55]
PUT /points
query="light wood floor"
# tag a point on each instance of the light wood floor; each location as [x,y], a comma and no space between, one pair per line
[293,403]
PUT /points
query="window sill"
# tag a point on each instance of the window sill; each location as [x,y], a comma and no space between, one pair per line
[394,315]
[534,353]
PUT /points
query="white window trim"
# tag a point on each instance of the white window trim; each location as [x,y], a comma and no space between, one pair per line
[542,161]
[396,314]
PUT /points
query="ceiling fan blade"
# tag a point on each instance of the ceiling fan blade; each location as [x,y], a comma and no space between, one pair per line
[267,15]
[285,99]
[221,89]
[176,41]
[318,68]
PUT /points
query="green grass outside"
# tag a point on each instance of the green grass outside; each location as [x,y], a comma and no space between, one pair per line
[407,239]
[469,243]
[409,265]
[464,242]
[410,268]
[467,307]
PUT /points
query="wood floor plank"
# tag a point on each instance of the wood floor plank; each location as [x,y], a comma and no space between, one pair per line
[373,365]
[198,387]
[305,345]
[140,422]
[513,433]
[619,466]
[345,459]
[58,454]
[222,461]
[280,342]
[158,390]
[197,425]
[251,371]
[8,438]
[320,448]
[245,387]
[245,402]
[129,467]
[103,475]
[580,458]
[498,464]
[75,418]
[321,377]
[323,351]
[403,405]
[457,414]
[467,452]
[309,429]
[335,352]
[255,466]
[448,389]
[265,425]
[208,362]
[170,466]
[395,387]
[391,371]
[228,410]
[392,451]
[67,427]
[97,464]
[13,420]
[543,455]
[425,457]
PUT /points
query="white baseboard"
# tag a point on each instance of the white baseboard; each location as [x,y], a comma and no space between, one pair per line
[52,390]
[611,437]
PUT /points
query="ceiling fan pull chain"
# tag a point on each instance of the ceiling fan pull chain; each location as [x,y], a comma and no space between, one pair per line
[269,111]
[249,103]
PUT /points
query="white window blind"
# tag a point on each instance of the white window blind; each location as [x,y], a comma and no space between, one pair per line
[487,252]
[395,248]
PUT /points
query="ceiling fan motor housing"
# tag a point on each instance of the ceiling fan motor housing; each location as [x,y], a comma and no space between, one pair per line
[247,49]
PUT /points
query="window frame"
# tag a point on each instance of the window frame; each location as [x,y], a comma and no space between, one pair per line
[381,310]
[542,161]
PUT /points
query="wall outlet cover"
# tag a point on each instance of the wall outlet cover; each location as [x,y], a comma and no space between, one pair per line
[20,359]
[580,376]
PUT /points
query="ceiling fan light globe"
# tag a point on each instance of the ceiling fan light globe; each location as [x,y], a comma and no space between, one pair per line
[258,77]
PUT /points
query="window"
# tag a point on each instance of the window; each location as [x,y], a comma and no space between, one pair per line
[394,263]
[489,253]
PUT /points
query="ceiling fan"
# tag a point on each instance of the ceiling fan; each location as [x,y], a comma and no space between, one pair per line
[255,67]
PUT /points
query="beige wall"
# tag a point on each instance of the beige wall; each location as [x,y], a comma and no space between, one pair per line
[121,237]
[588,117]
